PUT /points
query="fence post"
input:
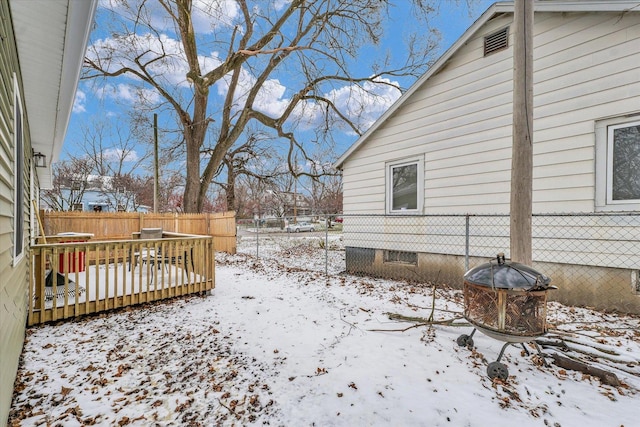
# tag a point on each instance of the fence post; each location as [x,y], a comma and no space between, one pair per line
[257,221]
[327,222]
[466,244]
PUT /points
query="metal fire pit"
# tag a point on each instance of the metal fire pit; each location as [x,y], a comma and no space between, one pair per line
[506,301]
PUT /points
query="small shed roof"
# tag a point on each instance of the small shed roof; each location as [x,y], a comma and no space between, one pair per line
[495,9]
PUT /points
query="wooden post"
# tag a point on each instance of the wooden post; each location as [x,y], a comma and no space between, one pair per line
[522,147]
[156,172]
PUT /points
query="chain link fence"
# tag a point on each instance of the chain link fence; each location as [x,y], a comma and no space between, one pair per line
[593,259]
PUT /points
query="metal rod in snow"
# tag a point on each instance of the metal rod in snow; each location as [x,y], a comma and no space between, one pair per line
[257,238]
[466,244]
[327,223]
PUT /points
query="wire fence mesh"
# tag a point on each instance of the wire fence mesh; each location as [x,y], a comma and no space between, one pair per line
[593,259]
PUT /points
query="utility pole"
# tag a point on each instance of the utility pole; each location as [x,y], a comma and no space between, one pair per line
[156,174]
[522,147]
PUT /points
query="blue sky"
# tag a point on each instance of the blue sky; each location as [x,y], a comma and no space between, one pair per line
[111,101]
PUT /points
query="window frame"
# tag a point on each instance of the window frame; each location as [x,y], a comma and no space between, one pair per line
[604,165]
[18,234]
[389,167]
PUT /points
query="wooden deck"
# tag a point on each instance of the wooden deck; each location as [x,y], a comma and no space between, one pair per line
[71,279]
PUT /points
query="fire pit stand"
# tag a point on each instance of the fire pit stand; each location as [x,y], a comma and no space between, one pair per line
[506,301]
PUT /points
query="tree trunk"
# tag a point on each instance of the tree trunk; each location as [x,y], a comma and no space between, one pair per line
[192,186]
[522,147]
[606,377]
[231,188]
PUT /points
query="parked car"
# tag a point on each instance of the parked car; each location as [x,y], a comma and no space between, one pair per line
[301,226]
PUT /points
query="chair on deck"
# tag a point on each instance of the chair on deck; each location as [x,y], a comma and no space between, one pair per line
[177,257]
[146,253]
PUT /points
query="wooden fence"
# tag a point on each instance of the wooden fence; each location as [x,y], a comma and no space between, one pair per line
[73,279]
[122,225]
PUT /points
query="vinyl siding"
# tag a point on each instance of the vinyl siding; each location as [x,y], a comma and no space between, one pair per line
[586,68]
[14,278]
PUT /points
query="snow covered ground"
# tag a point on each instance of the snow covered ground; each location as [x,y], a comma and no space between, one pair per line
[279,343]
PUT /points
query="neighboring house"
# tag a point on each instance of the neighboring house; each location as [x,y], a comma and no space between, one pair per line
[444,148]
[42,48]
[282,204]
[95,193]
[97,200]
[295,204]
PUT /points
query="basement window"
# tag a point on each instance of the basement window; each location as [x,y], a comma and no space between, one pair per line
[496,42]
[401,257]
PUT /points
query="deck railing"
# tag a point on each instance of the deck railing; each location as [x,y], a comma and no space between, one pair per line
[71,279]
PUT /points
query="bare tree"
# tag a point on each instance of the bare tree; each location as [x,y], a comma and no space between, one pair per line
[245,50]
[118,161]
[326,194]
[254,158]
[70,181]
[108,162]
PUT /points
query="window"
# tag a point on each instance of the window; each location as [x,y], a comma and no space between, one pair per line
[623,163]
[400,257]
[18,176]
[405,183]
[618,164]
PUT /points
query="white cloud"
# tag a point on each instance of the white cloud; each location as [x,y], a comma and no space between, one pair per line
[128,93]
[79,102]
[362,105]
[365,104]
[210,14]
[209,63]
[116,52]
[281,4]
[207,16]
[115,154]
[269,100]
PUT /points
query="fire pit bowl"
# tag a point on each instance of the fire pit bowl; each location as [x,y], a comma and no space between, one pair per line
[506,301]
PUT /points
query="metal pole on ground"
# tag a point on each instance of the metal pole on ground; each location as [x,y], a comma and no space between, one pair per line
[466,244]
[327,222]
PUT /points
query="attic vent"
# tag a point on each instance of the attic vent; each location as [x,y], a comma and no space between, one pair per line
[496,41]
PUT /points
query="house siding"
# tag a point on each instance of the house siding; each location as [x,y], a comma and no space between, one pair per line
[14,278]
[586,68]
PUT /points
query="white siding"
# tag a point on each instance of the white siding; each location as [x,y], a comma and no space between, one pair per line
[587,68]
